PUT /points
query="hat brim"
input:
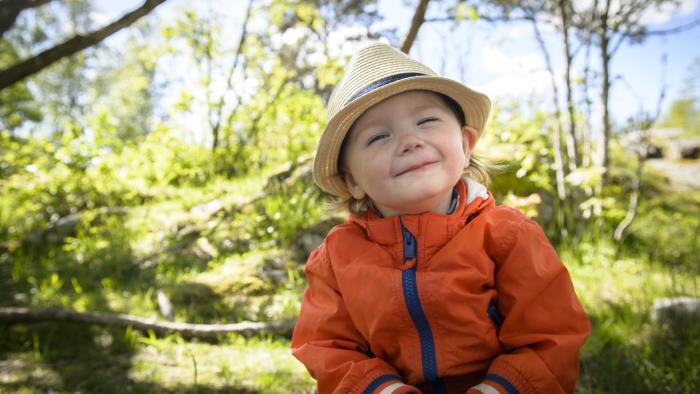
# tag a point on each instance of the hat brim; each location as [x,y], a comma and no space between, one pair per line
[476,107]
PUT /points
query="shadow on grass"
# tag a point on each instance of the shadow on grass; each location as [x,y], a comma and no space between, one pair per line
[85,269]
[629,353]
[77,358]
[65,356]
[113,387]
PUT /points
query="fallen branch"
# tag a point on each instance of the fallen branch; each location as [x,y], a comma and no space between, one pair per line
[67,225]
[13,315]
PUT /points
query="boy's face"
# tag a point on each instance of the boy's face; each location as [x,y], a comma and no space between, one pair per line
[406,153]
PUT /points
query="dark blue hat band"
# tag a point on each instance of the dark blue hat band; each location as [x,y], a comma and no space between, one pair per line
[379,83]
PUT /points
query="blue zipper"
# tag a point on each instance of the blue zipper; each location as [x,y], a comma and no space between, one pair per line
[410,293]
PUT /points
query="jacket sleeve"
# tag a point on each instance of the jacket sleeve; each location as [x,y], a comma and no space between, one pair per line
[326,341]
[544,325]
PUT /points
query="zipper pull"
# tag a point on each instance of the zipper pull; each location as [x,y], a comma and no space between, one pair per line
[409,244]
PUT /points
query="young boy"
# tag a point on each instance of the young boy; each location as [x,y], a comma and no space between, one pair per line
[429,287]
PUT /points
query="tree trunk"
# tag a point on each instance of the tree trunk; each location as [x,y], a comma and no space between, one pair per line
[416,23]
[605,54]
[587,151]
[186,330]
[572,145]
[556,131]
[37,63]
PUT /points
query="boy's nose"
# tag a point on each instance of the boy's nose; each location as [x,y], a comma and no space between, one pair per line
[410,142]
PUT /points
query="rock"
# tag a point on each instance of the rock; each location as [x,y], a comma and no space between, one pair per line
[313,236]
[683,175]
[276,276]
[690,152]
[309,242]
[165,307]
[667,310]
[274,270]
[666,132]
[653,152]
[684,149]
[204,249]
[639,143]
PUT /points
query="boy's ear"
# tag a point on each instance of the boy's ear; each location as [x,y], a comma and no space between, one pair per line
[354,189]
[469,138]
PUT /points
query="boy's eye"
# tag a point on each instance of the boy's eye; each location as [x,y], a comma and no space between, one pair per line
[376,138]
[426,120]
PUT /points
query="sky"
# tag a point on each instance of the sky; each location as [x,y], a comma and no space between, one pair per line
[508,63]
[504,60]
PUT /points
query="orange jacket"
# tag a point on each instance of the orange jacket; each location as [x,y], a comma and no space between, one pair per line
[440,302]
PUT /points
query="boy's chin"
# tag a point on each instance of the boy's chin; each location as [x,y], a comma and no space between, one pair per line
[421,204]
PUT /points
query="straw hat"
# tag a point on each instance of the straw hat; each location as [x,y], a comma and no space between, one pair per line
[375,73]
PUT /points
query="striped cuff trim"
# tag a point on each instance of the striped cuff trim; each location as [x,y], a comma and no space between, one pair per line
[392,388]
[485,389]
[509,388]
[380,381]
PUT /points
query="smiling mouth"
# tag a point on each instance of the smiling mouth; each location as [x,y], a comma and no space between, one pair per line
[416,167]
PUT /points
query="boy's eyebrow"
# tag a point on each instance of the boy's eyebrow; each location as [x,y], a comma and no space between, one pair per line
[413,109]
[431,101]
[355,131]
[422,107]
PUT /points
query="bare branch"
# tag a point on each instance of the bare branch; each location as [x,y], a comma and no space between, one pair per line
[229,79]
[416,23]
[37,63]
[666,32]
[487,18]
[675,30]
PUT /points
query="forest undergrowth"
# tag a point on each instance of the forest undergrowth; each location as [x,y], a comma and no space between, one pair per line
[226,250]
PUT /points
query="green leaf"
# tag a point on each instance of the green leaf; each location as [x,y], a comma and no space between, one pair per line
[461,10]
[473,14]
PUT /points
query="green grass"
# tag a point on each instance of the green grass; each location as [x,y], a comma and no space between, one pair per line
[255,365]
[629,352]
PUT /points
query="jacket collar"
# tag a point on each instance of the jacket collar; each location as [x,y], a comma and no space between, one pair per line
[430,229]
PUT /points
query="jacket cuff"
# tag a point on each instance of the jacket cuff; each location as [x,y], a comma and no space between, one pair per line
[483,388]
[508,380]
[389,384]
